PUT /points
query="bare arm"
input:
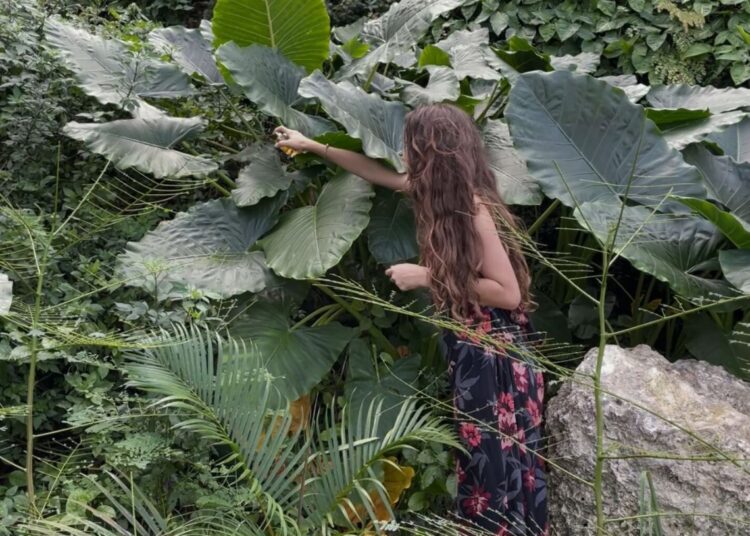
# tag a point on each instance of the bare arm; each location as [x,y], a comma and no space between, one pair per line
[367,168]
[499,286]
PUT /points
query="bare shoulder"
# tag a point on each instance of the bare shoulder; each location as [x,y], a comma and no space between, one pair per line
[483,219]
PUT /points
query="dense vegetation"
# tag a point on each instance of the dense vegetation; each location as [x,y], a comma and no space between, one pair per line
[198,335]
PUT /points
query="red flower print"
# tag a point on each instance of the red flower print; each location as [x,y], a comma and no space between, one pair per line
[520,373]
[504,339]
[460,473]
[545,532]
[534,413]
[519,317]
[478,502]
[504,404]
[470,433]
[539,386]
[502,530]
[507,424]
[528,479]
[521,438]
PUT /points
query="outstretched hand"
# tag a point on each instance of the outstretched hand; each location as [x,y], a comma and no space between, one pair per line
[291,139]
[409,276]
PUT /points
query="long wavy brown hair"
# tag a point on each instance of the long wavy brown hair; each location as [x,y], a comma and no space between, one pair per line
[447,165]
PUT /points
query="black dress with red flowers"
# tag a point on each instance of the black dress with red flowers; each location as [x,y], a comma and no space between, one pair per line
[497,399]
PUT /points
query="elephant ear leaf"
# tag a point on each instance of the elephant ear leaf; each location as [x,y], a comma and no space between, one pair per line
[734,140]
[513,181]
[263,177]
[552,117]
[270,81]
[6,294]
[298,357]
[668,246]
[145,143]
[207,247]
[189,49]
[392,235]
[378,123]
[735,263]
[107,71]
[393,36]
[299,29]
[310,240]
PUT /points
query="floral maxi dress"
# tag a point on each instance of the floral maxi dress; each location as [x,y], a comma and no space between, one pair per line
[497,401]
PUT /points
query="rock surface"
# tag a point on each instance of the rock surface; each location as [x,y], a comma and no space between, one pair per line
[694,395]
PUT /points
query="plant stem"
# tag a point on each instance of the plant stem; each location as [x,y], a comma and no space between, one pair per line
[220,188]
[541,219]
[599,415]
[376,334]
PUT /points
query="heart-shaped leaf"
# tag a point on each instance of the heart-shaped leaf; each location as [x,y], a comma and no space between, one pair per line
[310,240]
[299,29]
[727,181]
[392,235]
[263,177]
[145,143]
[735,263]
[189,49]
[106,70]
[667,246]
[300,357]
[271,81]
[207,247]
[733,228]
[378,123]
[734,140]
[514,183]
[578,132]
[442,86]
[393,36]
[698,98]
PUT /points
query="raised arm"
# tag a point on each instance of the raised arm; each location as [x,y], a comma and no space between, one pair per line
[367,168]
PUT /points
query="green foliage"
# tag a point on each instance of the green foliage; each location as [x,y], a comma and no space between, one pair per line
[144,213]
[690,42]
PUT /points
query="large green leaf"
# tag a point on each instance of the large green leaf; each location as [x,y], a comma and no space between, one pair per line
[629,84]
[514,183]
[367,381]
[585,62]
[699,98]
[470,54]
[299,357]
[442,86]
[727,181]
[681,134]
[106,70]
[735,263]
[189,49]
[707,341]
[271,81]
[668,246]
[299,29]
[574,127]
[378,123]
[263,177]
[392,235]
[6,294]
[206,247]
[145,143]
[394,36]
[310,240]
[733,228]
[734,140]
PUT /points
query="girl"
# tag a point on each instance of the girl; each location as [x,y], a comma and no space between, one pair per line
[482,280]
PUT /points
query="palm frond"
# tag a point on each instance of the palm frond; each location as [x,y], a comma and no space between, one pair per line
[224,399]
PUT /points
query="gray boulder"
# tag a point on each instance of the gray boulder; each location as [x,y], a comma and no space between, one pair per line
[695,395]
